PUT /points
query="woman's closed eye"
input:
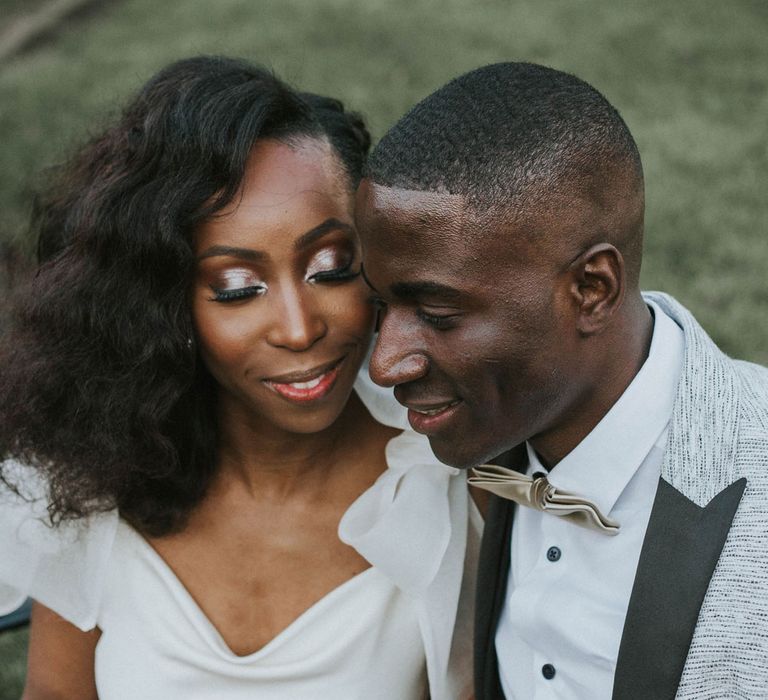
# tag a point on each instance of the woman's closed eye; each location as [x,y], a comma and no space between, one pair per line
[237,283]
[330,265]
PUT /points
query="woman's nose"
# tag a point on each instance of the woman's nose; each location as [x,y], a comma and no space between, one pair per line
[297,322]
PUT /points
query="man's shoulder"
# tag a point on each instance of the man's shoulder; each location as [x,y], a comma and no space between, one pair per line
[752,373]
[754,393]
[742,381]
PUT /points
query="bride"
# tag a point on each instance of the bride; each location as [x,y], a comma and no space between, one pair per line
[203,492]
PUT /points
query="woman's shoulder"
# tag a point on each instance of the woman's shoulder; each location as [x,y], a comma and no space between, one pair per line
[61,566]
[418,526]
[418,500]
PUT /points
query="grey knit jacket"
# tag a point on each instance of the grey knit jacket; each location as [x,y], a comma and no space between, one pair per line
[719,437]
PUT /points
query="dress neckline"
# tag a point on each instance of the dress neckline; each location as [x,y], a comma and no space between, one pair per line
[210,632]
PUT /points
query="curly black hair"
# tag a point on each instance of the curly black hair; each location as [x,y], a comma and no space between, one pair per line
[99,389]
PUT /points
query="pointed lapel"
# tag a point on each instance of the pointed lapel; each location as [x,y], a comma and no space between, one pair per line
[700,455]
[681,549]
[696,501]
[493,571]
[491,587]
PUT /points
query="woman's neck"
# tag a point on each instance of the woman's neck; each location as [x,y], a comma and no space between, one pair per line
[274,463]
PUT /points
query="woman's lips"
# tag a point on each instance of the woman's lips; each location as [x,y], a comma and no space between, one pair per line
[310,388]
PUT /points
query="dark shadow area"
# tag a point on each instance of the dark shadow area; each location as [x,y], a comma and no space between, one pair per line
[18,618]
[15,268]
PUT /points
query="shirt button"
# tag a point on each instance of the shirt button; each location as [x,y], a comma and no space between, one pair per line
[554,553]
[548,671]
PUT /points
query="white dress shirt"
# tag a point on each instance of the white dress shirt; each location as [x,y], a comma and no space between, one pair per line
[569,587]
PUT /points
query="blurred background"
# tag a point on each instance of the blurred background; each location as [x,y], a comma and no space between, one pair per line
[690,78]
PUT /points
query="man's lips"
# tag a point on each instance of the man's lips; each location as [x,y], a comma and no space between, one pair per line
[306,385]
[430,417]
[431,409]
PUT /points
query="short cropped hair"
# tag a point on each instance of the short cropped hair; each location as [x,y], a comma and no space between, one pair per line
[497,131]
[99,387]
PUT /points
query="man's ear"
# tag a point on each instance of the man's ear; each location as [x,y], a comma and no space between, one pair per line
[598,286]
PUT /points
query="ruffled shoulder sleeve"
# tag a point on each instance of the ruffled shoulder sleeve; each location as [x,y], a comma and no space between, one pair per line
[61,567]
[416,526]
[380,402]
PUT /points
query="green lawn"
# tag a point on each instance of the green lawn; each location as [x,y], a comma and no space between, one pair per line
[10,10]
[13,661]
[690,77]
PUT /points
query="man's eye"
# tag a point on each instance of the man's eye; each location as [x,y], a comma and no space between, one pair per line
[441,323]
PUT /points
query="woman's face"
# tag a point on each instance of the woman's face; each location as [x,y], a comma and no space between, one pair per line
[279,307]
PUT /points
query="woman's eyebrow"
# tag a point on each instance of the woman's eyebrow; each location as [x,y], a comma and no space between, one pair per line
[320,230]
[242,253]
[303,241]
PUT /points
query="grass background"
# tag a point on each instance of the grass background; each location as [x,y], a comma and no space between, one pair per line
[690,77]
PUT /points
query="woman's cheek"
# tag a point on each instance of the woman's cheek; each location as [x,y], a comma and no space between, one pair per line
[360,312]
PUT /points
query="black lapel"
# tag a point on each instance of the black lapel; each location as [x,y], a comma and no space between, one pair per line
[491,586]
[681,548]
[493,570]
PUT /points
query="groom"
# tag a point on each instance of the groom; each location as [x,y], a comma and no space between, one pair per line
[502,222]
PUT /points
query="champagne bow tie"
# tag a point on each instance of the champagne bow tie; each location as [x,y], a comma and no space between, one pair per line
[538,493]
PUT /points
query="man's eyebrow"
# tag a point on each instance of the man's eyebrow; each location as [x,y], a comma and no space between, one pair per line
[320,230]
[416,290]
[242,253]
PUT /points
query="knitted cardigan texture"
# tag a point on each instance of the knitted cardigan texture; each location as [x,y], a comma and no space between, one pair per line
[719,434]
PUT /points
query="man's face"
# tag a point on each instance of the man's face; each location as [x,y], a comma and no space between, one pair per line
[477,331]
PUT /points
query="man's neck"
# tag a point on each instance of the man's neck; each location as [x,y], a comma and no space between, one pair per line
[612,371]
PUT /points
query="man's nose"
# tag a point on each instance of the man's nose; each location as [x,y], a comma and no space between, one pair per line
[297,322]
[395,360]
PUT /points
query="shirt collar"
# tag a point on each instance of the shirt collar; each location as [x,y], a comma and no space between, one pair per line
[603,463]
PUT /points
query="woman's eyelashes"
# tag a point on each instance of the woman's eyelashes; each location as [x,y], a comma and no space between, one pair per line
[237,294]
[237,283]
[331,264]
[327,265]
